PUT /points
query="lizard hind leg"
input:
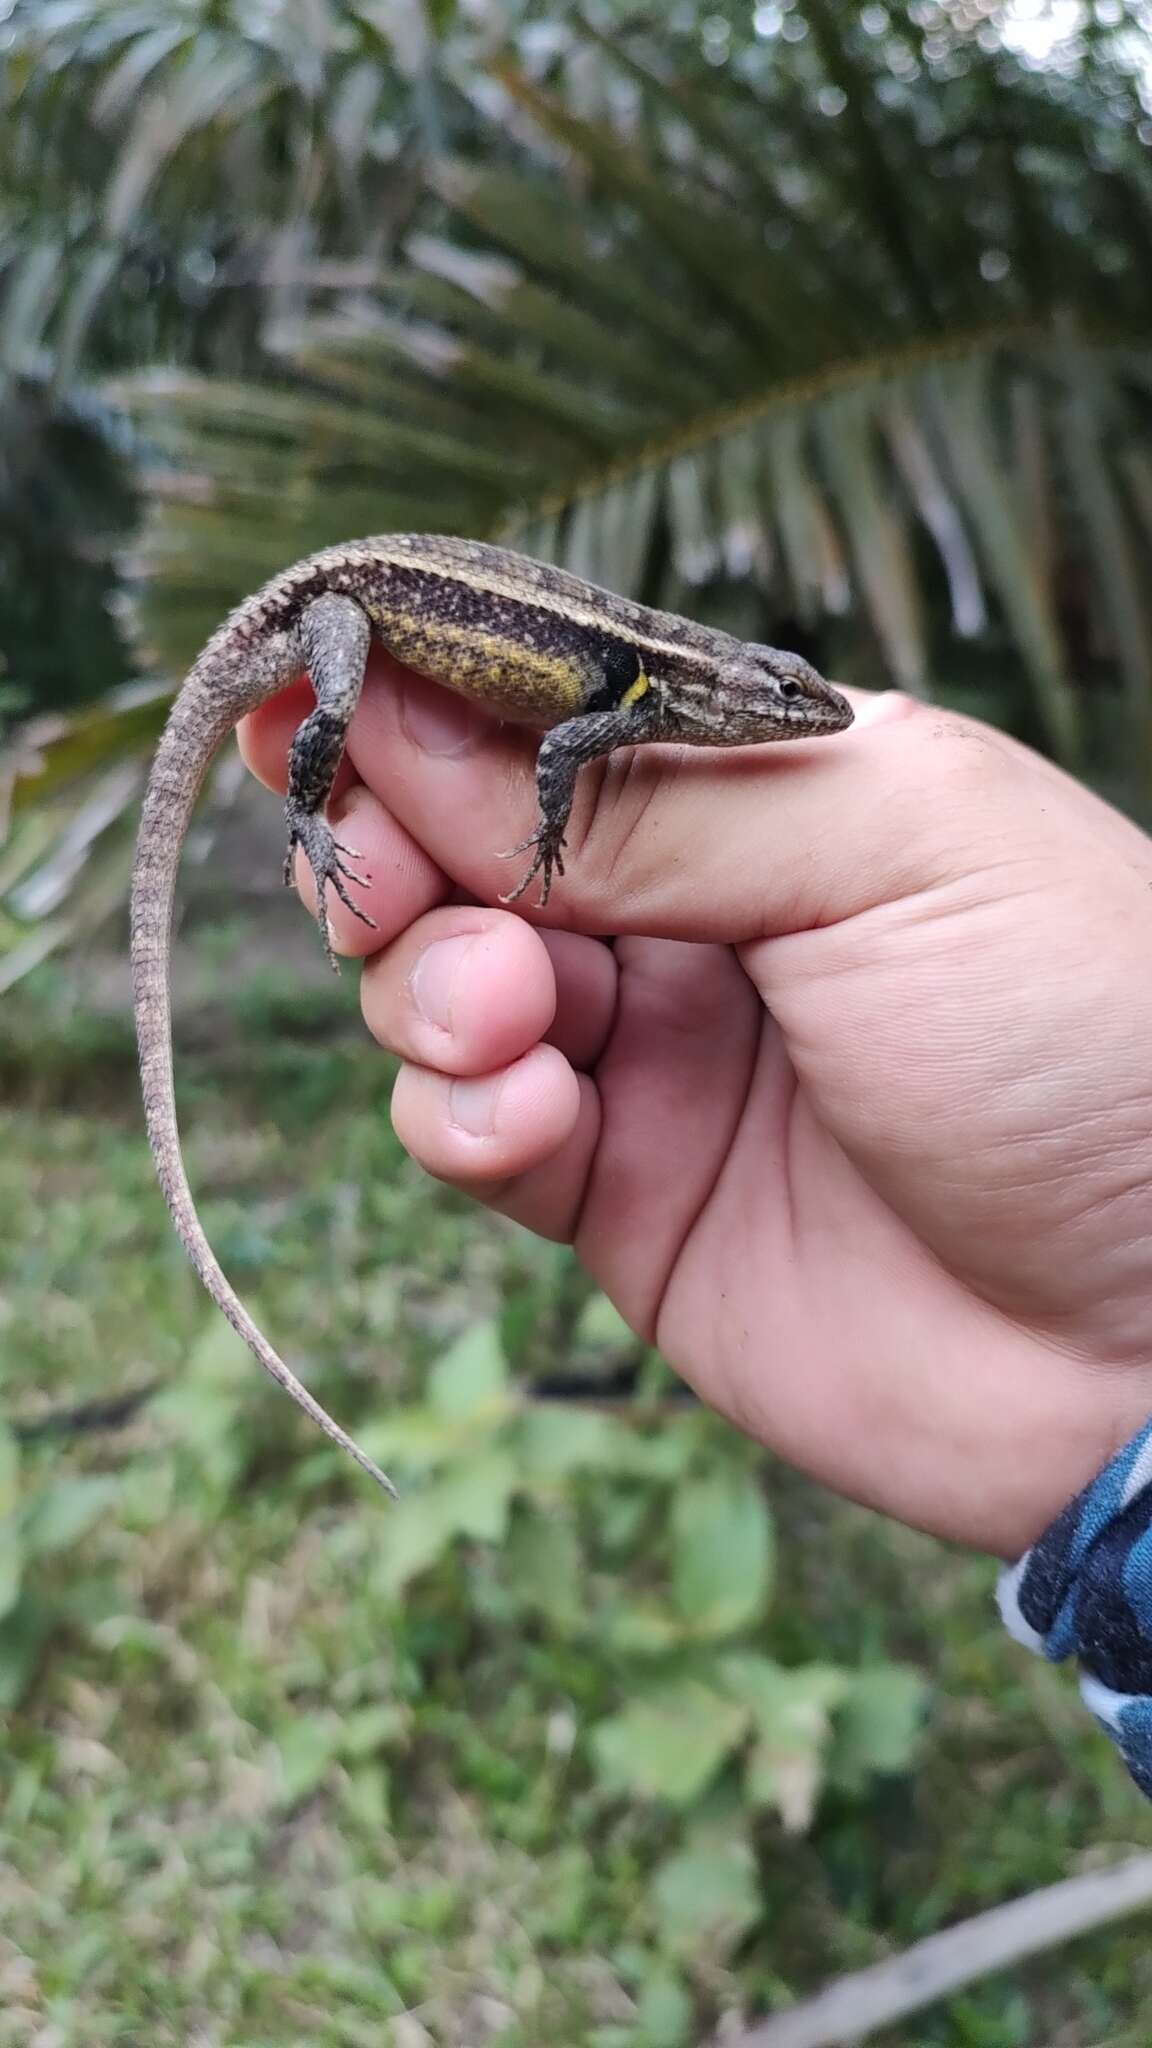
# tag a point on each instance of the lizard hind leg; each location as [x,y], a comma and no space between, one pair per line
[334,636]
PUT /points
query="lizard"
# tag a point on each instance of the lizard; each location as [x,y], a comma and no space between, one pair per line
[531,643]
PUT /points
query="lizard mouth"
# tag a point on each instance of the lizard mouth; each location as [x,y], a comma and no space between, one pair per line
[814,706]
[829,712]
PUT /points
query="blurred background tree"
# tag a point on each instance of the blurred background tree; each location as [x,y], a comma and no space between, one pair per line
[826,322]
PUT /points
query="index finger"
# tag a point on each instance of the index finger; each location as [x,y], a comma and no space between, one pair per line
[695,843]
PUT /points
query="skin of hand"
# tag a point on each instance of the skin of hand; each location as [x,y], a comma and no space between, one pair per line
[832,1060]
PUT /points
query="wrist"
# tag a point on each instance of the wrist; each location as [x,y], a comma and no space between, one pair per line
[1081,1418]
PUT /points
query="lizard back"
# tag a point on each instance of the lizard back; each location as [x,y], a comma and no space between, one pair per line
[529,641]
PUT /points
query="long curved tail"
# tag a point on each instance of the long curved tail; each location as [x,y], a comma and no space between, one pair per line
[202,717]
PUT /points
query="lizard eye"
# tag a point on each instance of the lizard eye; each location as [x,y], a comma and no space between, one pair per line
[789,689]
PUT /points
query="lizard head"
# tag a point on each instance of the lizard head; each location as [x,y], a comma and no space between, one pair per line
[787,686]
[758,693]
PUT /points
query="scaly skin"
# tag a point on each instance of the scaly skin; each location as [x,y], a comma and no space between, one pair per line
[591,670]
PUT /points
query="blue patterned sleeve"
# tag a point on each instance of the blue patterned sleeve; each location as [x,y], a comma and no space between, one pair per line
[1084,1590]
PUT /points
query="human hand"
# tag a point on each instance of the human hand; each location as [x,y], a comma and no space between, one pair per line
[853,1120]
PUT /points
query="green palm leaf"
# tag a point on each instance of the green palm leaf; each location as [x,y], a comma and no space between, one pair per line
[785,343]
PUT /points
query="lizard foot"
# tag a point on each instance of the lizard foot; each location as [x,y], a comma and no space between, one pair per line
[547,844]
[328,860]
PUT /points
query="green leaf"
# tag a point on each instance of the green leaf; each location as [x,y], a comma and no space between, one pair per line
[203,1409]
[1119,582]
[707,1897]
[369,1729]
[601,1323]
[817,571]
[473,1501]
[120,725]
[541,223]
[419,1529]
[366,1798]
[415,1440]
[310,1743]
[876,533]
[477,1498]
[780,1698]
[545,1565]
[961,397]
[64,1510]
[668,1744]
[936,507]
[554,1440]
[792,1717]
[471,1378]
[659,1456]
[11,1565]
[607,540]
[11,1531]
[724,263]
[879,1724]
[693,516]
[9,1472]
[219,1357]
[664,2010]
[23,1632]
[642,1628]
[306,1747]
[722,1552]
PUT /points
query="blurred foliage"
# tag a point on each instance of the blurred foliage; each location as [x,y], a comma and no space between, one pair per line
[583,1744]
[878,388]
[831,376]
[65,502]
[641,1540]
[127,133]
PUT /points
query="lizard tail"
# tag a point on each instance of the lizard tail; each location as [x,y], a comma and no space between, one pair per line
[201,719]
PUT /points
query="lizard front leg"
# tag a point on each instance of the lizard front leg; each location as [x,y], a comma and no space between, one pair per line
[334,636]
[563,752]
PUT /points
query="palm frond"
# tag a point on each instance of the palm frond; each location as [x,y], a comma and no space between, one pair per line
[713,401]
[829,492]
[847,341]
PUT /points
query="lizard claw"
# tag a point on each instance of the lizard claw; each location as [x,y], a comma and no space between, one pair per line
[328,860]
[547,859]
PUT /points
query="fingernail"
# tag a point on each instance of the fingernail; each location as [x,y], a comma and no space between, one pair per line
[437,722]
[432,982]
[472,1105]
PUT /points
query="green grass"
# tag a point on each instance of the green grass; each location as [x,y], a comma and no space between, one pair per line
[250,1796]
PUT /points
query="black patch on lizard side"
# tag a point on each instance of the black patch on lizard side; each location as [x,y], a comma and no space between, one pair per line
[621,665]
